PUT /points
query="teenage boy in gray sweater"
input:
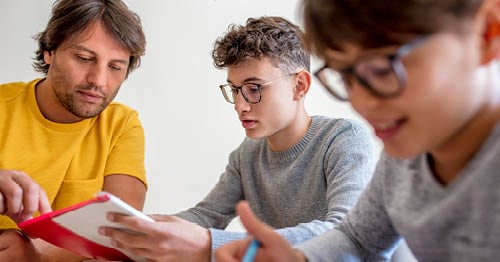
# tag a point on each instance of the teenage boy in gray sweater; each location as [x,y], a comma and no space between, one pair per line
[426,76]
[301,174]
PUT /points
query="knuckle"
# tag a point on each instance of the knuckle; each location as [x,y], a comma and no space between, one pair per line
[163,246]
[32,188]
[136,223]
[13,192]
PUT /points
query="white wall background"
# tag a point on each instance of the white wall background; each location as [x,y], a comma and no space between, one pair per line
[190,129]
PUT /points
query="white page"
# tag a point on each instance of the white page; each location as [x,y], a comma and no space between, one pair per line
[86,220]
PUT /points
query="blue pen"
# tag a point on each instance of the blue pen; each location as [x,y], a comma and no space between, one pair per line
[251,250]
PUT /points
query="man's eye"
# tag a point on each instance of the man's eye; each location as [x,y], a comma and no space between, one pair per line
[115,68]
[84,59]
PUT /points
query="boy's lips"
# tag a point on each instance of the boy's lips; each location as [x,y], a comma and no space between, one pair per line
[385,130]
[248,123]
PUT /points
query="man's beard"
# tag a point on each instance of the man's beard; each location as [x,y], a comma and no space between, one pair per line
[67,100]
[66,95]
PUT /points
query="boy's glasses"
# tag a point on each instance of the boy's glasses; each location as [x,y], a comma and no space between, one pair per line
[383,75]
[250,91]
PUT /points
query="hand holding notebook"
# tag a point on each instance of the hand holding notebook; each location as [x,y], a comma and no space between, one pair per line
[75,228]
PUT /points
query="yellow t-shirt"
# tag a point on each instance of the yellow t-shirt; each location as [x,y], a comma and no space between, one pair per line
[69,161]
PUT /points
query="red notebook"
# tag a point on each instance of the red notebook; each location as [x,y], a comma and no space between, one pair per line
[75,228]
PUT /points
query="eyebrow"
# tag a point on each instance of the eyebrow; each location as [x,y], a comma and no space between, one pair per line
[337,60]
[250,79]
[83,48]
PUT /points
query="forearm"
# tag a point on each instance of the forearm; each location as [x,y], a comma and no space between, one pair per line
[210,212]
[199,216]
[216,210]
[134,194]
[51,253]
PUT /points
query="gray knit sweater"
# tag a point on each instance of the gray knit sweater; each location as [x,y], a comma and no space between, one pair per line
[303,191]
[457,222]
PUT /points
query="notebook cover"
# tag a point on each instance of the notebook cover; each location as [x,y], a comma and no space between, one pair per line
[75,228]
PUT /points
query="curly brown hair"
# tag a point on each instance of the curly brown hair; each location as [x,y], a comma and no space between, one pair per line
[272,37]
[71,17]
[329,24]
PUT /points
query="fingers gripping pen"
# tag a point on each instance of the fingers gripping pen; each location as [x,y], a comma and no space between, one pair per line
[251,251]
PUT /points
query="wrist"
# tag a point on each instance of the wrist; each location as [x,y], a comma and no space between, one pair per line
[208,245]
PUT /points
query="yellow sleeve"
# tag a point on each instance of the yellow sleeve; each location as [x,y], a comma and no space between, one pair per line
[127,153]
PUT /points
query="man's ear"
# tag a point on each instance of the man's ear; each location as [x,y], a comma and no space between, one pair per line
[47,57]
[491,33]
[302,85]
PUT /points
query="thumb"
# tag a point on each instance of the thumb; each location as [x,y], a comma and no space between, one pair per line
[260,231]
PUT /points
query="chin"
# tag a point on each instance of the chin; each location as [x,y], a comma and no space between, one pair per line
[254,135]
[402,152]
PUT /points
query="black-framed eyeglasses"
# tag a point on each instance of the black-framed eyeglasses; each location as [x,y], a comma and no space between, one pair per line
[383,75]
[251,91]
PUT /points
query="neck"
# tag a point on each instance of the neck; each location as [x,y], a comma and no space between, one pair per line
[450,160]
[291,134]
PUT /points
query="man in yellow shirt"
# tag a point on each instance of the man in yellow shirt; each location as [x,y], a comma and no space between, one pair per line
[61,137]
